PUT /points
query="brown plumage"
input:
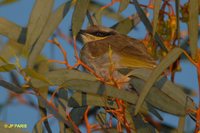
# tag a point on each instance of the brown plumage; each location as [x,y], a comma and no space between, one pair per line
[126,52]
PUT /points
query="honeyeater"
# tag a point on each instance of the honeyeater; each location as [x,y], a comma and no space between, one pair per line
[105,47]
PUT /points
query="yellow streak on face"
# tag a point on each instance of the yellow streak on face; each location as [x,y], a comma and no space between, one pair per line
[90,38]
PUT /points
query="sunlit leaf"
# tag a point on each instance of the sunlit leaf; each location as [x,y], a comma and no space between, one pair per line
[7,67]
[193,27]
[156,10]
[52,23]
[39,16]
[79,15]
[166,62]
[181,124]
[123,5]
[10,29]
[13,48]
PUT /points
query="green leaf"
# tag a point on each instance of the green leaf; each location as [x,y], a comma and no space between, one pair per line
[108,12]
[82,99]
[4,60]
[7,67]
[126,25]
[13,48]
[141,125]
[33,74]
[10,86]
[181,124]
[77,114]
[166,62]
[38,19]
[123,5]
[10,29]
[193,27]
[84,82]
[148,25]
[164,95]
[156,10]
[52,23]
[52,110]
[79,15]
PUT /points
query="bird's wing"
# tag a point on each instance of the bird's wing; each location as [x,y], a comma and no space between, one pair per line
[131,52]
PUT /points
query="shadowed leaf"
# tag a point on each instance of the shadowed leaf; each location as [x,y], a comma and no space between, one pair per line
[148,25]
[55,113]
[193,30]
[82,99]
[79,15]
[10,86]
[156,10]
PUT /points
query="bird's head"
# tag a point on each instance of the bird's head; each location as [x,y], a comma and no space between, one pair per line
[94,33]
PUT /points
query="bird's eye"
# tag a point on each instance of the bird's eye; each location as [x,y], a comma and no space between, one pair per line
[100,34]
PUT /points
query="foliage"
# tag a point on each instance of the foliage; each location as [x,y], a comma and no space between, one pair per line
[84,91]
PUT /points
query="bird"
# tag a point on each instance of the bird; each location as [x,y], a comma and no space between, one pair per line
[107,51]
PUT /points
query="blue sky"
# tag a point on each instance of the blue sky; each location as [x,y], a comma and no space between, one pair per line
[19,13]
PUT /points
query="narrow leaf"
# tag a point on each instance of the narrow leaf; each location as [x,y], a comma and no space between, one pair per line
[53,22]
[193,27]
[108,12]
[79,15]
[126,25]
[10,86]
[39,16]
[10,29]
[32,73]
[166,62]
[181,124]
[123,5]
[7,67]
[156,10]
[55,113]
